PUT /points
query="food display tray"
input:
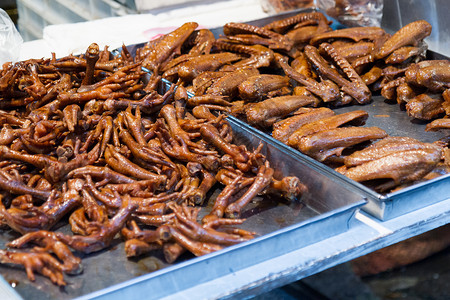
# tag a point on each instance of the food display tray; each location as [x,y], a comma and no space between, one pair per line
[395,122]
[325,210]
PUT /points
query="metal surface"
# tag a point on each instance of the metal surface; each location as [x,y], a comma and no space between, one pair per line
[365,236]
[395,122]
[325,210]
[418,209]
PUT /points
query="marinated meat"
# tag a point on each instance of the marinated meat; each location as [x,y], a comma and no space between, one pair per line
[438,124]
[386,147]
[424,107]
[267,112]
[401,166]
[357,117]
[323,144]
[283,129]
[263,86]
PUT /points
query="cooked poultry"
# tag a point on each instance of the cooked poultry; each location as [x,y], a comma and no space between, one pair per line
[424,107]
[401,159]
[352,85]
[190,69]
[385,147]
[446,103]
[411,34]
[357,117]
[401,166]
[267,112]
[263,86]
[89,139]
[283,129]
[438,124]
[356,34]
[227,85]
[325,143]
[156,53]
[432,74]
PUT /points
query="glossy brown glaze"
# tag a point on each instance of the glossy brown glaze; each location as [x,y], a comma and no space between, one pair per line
[267,112]
[162,49]
[326,143]
[209,62]
[275,40]
[262,86]
[299,20]
[355,117]
[355,34]
[327,91]
[385,147]
[432,74]
[438,124]
[401,167]
[283,129]
[353,85]
[93,145]
[409,35]
[228,84]
[424,107]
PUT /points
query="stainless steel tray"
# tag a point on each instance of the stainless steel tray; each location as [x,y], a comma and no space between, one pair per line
[325,210]
[390,205]
[398,123]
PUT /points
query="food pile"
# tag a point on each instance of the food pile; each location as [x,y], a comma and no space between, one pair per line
[286,76]
[90,142]
[88,139]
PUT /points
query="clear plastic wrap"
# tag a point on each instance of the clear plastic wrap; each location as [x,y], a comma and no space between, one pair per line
[353,12]
[347,12]
[277,6]
[10,39]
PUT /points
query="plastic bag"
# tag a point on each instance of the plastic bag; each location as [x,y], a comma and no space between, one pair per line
[353,12]
[278,6]
[347,12]
[10,39]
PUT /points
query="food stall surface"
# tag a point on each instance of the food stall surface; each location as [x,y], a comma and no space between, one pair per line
[426,279]
[366,234]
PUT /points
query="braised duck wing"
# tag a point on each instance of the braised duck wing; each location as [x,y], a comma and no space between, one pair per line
[358,116]
[385,147]
[324,144]
[267,112]
[401,166]
[283,129]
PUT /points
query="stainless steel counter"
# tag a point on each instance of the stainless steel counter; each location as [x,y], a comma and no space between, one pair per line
[366,235]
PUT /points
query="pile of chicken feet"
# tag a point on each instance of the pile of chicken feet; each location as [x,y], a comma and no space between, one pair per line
[89,141]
